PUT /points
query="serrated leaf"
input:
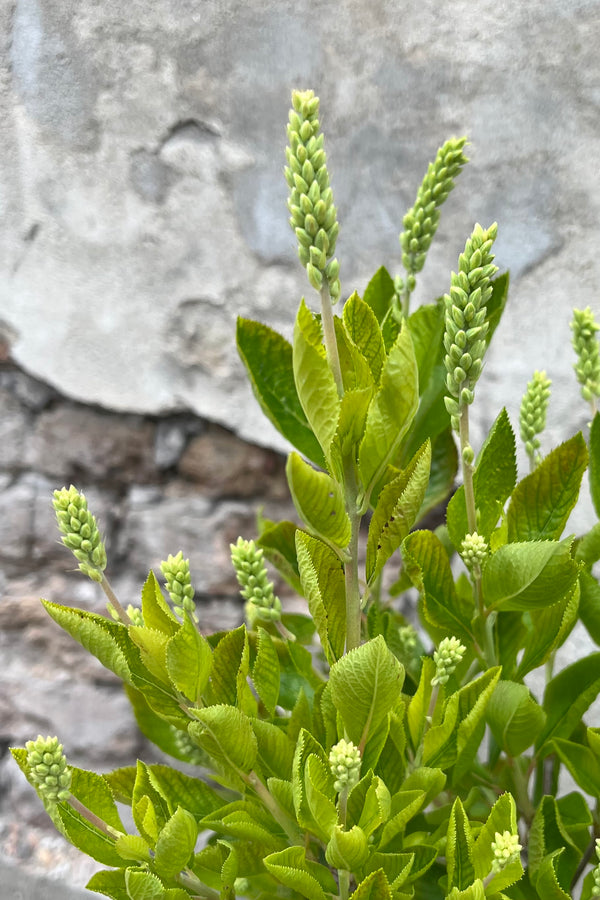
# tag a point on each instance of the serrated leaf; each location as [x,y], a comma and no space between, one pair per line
[319,501]
[304,876]
[379,293]
[152,645]
[405,804]
[547,881]
[184,790]
[459,849]
[226,734]
[397,508]
[548,838]
[418,705]
[86,837]
[529,575]
[156,612]
[175,843]
[542,502]
[582,763]
[595,463]
[589,605]
[444,466]
[363,329]
[365,685]
[157,729]
[502,817]
[314,380]
[226,661]
[93,791]
[149,805]
[428,566]
[473,700]
[427,328]
[275,750]
[374,887]
[354,407]
[587,547]
[189,660]
[548,629]
[268,360]
[391,411]
[514,717]
[143,885]
[265,672]
[323,584]
[319,793]
[110,883]
[568,695]
[95,633]
[355,369]
[306,746]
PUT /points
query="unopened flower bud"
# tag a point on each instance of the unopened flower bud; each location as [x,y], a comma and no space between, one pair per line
[446,658]
[80,532]
[585,344]
[345,762]
[532,418]
[506,848]
[176,572]
[48,768]
[263,605]
[474,550]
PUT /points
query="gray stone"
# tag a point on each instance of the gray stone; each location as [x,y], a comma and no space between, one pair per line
[13,431]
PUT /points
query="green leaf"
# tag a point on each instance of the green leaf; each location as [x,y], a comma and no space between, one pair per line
[94,792]
[529,575]
[494,479]
[268,360]
[374,887]
[427,328]
[319,501]
[275,750]
[156,612]
[365,684]
[226,662]
[318,787]
[589,605]
[323,584]
[567,697]
[444,466]
[149,805]
[143,885]
[363,329]
[87,838]
[587,547]
[404,805]
[547,882]
[184,790]
[428,566]
[110,883]
[278,541]
[379,293]
[95,633]
[354,408]
[306,746]
[548,629]
[226,734]
[582,763]
[595,463]
[514,717]
[459,849]
[158,730]
[176,843]
[307,878]
[355,369]
[473,700]
[397,508]
[548,837]
[265,672]
[189,661]
[314,380]
[391,411]
[502,817]
[418,706]
[542,502]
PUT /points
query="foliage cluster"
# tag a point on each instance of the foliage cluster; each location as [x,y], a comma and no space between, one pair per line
[349,754]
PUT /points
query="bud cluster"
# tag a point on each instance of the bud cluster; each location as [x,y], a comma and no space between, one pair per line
[506,848]
[465,319]
[596,872]
[474,550]
[421,222]
[313,215]
[585,344]
[176,572]
[251,572]
[48,768]
[345,762]
[80,531]
[186,746]
[532,418]
[408,638]
[446,658]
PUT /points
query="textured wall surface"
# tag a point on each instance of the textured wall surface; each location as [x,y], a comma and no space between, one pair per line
[143,208]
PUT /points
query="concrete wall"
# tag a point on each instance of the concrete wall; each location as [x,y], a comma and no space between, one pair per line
[143,208]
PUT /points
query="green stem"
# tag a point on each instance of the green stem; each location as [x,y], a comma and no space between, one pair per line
[99,823]
[190,880]
[467,470]
[405,300]
[330,339]
[112,598]
[521,780]
[344,882]
[353,612]
[280,816]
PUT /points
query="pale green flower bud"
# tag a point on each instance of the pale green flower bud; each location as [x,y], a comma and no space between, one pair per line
[345,762]
[421,222]
[596,872]
[263,605]
[135,614]
[408,638]
[585,344]
[186,746]
[176,572]
[48,768]
[446,658]
[506,849]
[313,216]
[532,418]
[80,531]
[465,320]
[474,550]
